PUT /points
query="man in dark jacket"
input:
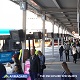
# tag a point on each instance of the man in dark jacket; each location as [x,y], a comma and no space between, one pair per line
[34,65]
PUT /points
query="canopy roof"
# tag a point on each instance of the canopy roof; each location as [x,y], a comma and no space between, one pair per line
[64,12]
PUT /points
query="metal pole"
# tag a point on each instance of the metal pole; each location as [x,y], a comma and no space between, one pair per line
[58,37]
[78,16]
[53,39]
[62,37]
[43,31]
[29,45]
[66,35]
[33,43]
[23,7]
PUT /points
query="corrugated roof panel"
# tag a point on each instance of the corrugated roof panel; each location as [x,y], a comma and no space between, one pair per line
[67,3]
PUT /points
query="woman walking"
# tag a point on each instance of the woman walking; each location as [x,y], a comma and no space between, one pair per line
[74,52]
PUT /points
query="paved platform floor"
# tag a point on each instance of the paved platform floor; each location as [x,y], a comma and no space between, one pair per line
[54,67]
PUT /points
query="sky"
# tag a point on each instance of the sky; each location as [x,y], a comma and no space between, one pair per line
[10,15]
[11,18]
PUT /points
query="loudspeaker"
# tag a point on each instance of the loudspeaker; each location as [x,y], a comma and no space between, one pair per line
[17,35]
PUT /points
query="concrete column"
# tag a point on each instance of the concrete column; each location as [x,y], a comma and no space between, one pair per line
[23,6]
[62,37]
[78,14]
[58,37]
[53,38]
[66,36]
[24,29]
[43,31]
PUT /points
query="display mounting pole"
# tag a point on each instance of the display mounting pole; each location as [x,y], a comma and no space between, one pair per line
[23,7]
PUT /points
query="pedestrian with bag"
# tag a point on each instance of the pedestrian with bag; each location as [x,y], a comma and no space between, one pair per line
[42,63]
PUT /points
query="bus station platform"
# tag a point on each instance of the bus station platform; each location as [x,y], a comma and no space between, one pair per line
[54,67]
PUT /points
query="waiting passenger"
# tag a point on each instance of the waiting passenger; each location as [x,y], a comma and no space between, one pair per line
[74,52]
[8,68]
[18,70]
[2,72]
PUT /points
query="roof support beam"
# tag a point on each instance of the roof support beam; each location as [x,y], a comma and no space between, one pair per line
[65,17]
[69,22]
[74,13]
[58,10]
[63,10]
[55,2]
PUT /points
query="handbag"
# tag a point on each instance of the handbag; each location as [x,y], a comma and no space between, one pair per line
[43,66]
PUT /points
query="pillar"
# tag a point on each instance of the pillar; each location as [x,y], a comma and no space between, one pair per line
[43,32]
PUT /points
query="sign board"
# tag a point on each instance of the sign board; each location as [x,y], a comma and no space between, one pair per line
[3,37]
[17,35]
[23,5]
[4,32]
[6,56]
[14,35]
[50,35]
[29,36]
[37,35]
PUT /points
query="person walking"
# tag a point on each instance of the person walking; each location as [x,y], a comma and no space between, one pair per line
[74,52]
[78,49]
[42,63]
[67,48]
[61,49]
